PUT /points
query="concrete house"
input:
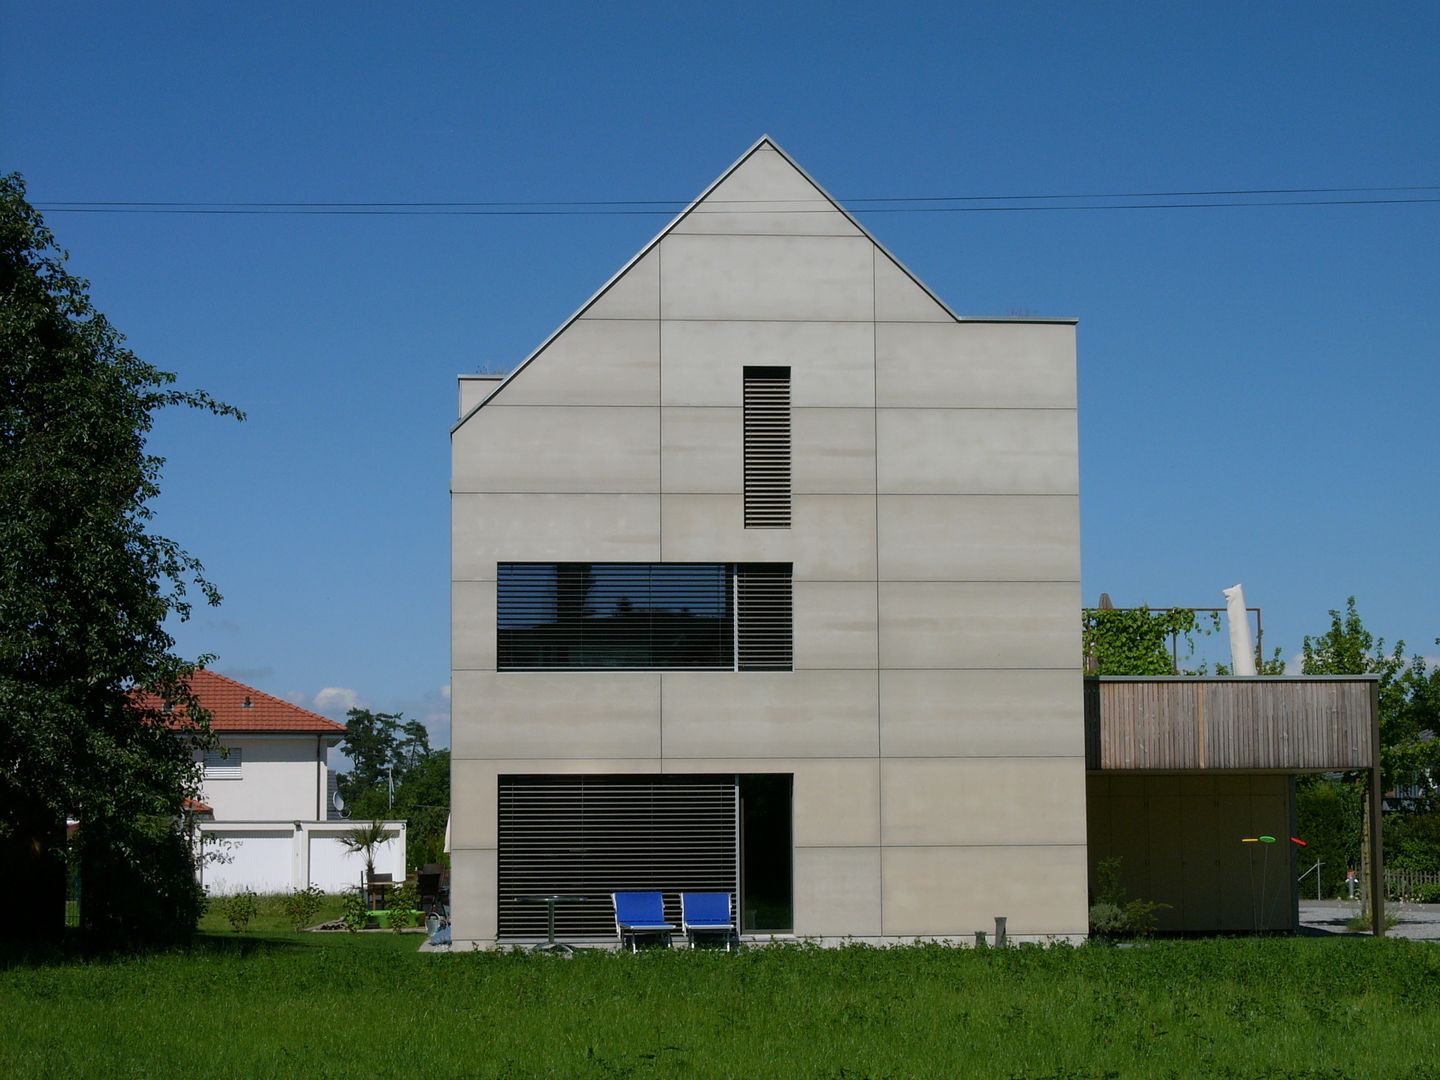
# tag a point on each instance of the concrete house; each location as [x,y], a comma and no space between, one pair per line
[766,578]
[266,816]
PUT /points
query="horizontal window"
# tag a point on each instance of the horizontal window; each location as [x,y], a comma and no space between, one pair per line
[644,615]
[223,764]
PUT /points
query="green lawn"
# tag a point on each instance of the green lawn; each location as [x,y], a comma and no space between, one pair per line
[370,1005]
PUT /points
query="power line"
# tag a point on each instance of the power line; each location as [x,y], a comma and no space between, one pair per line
[425,211]
[878,204]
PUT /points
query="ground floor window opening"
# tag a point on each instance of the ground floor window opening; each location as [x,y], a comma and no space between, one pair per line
[589,836]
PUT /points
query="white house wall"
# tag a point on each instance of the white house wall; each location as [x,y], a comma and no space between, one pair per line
[933,722]
[280,780]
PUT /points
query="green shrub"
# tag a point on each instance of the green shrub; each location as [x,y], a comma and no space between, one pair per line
[1107,919]
[404,900]
[1427,894]
[239,909]
[301,905]
[139,883]
[353,911]
[1112,913]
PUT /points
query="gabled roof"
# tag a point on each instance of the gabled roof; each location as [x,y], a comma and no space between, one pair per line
[763,143]
[235,707]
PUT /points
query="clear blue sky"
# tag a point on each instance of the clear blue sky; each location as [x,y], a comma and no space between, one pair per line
[1258,386]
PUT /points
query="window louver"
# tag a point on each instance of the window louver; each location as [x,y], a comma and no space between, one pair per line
[767,448]
[594,835]
[764,621]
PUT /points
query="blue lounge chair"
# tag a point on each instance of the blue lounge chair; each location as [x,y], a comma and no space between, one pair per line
[640,913]
[706,913]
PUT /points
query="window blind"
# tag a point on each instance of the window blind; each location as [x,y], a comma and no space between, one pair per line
[594,835]
[767,447]
[765,617]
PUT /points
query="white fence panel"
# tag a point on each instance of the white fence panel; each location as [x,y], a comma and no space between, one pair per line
[261,861]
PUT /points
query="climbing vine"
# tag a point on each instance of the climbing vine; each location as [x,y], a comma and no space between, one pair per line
[1139,641]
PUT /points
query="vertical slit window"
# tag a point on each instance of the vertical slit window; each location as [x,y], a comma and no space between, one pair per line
[767,448]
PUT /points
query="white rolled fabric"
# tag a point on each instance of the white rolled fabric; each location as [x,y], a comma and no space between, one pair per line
[1242,651]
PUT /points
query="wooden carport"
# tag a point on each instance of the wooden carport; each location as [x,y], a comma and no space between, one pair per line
[1240,726]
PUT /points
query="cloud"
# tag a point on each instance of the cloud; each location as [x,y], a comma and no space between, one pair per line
[445,691]
[336,699]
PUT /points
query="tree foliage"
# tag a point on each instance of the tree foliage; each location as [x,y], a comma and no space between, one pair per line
[1409,693]
[85,591]
[1329,813]
[396,774]
[383,748]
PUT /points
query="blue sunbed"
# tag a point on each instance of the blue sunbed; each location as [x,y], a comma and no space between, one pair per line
[640,914]
[707,913]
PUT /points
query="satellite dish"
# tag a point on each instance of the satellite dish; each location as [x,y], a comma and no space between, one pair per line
[339,804]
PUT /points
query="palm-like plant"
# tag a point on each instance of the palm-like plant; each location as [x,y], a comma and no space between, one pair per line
[365,839]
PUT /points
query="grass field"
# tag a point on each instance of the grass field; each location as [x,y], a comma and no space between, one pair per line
[269,918]
[369,1005]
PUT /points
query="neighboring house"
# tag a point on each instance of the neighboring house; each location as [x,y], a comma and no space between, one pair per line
[266,814]
[765,578]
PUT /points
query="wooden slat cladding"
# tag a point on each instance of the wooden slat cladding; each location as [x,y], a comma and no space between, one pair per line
[764,605]
[1297,724]
[767,448]
[594,835]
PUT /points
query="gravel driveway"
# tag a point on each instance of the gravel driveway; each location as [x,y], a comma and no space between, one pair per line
[1418,921]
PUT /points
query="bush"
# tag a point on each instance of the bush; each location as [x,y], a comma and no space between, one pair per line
[353,911]
[239,909]
[301,905]
[1427,894]
[1112,913]
[139,883]
[1107,919]
[404,900]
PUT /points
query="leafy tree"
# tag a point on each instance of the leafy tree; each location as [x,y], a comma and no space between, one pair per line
[1409,693]
[371,742]
[1409,752]
[85,590]
[397,775]
[382,747]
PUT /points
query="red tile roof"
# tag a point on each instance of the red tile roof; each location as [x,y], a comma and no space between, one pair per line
[236,707]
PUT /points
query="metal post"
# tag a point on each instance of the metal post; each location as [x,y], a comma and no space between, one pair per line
[999,931]
[1377,847]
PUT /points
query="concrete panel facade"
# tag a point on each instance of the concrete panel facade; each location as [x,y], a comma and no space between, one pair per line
[933,720]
